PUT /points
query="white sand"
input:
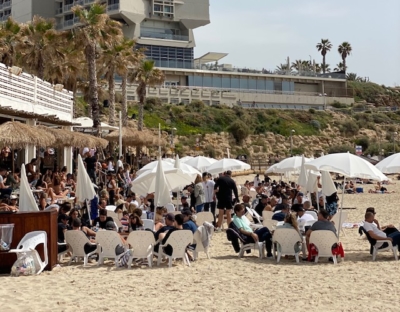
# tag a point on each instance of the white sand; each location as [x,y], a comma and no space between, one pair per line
[226,283]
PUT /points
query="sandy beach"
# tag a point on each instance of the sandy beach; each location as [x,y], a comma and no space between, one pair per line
[226,283]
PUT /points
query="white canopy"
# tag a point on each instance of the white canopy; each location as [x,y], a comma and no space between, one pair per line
[291,164]
[390,164]
[87,122]
[201,163]
[26,200]
[226,164]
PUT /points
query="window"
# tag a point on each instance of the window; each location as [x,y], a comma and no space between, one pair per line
[278,85]
[170,57]
[163,8]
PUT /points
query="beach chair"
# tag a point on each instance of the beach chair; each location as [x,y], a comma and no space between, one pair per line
[148,224]
[324,241]
[170,207]
[267,214]
[241,244]
[254,214]
[335,219]
[76,240]
[108,242]
[205,216]
[117,221]
[178,240]
[287,239]
[28,246]
[313,214]
[199,243]
[144,215]
[386,246]
[61,254]
[270,224]
[142,243]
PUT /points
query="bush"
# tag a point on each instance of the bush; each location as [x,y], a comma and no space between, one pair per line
[364,142]
[298,150]
[209,151]
[197,105]
[311,111]
[341,149]
[349,128]
[315,124]
[239,130]
[151,103]
[337,104]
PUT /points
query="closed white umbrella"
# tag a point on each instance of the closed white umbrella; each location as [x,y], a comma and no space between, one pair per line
[303,173]
[201,163]
[226,164]
[84,186]
[162,193]
[26,200]
[390,164]
[328,187]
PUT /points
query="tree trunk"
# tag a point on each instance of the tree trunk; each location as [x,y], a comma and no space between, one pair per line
[124,101]
[90,53]
[40,69]
[111,100]
[323,64]
[344,65]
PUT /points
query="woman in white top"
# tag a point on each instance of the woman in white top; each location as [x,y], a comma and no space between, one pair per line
[199,193]
[110,166]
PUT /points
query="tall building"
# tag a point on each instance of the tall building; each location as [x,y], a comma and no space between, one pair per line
[163,27]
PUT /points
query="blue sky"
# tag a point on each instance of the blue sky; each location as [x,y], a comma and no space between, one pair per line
[262,33]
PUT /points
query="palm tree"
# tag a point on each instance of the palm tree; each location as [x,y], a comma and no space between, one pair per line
[318,68]
[345,50]
[116,59]
[145,75]
[339,67]
[40,46]
[324,47]
[9,35]
[352,77]
[282,68]
[96,29]
[325,68]
[297,65]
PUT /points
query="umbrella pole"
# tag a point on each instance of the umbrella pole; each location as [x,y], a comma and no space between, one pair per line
[12,160]
[341,209]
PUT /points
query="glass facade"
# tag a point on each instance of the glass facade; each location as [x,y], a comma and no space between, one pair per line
[243,83]
[170,57]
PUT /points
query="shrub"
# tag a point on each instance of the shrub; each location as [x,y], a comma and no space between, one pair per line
[197,105]
[311,111]
[209,151]
[337,104]
[341,149]
[239,130]
[315,124]
[363,141]
[298,150]
[151,103]
[349,127]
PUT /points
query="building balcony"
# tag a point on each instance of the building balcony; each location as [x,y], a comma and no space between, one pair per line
[68,7]
[1,6]
[148,34]
[113,7]
[69,23]
[59,11]
[80,2]
[6,4]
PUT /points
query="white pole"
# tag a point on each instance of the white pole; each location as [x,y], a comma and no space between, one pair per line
[120,134]
[227,150]
[159,140]
[341,209]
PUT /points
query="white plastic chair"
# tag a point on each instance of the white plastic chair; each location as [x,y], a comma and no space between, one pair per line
[256,246]
[178,240]
[142,243]
[270,224]
[61,254]
[254,214]
[323,241]
[335,219]
[148,224]
[114,215]
[28,245]
[170,207]
[76,241]
[267,214]
[205,216]
[313,214]
[144,215]
[287,239]
[199,244]
[110,208]
[108,242]
[252,194]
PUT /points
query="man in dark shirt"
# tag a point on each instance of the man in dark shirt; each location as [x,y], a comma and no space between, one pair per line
[62,228]
[169,224]
[261,205]
[280,216]
[91,166]
[224,187]
[102,219]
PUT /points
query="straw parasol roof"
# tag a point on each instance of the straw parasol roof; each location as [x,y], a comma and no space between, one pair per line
[132,137]
[77,139]
[19,135]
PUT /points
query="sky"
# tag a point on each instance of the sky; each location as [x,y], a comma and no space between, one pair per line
[263,33]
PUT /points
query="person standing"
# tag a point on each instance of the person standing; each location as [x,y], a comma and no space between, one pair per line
[199,194]
[91,166]
[208,185]
[224,187]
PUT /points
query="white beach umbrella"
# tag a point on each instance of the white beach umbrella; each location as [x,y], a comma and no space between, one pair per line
[84,186]
[350,166]
[201,163]
[162,193]
[271,169]
[390,164]
[291,164]
[226,164]
[347,164]
[186,158]
[175,177]
[153,165]
[328,187]
[26,200]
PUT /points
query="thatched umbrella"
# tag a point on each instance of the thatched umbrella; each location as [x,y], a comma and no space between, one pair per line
[62,137]
[84,140]
[132,137]
[19,135]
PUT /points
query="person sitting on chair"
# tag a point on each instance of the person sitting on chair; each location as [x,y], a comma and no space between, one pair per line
[388,229]
[375,233]
[259,235]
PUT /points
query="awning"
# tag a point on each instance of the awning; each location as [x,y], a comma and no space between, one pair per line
[87,123]
[209,57]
